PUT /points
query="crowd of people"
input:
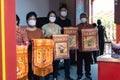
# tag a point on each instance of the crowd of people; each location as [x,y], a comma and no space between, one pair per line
[55,25]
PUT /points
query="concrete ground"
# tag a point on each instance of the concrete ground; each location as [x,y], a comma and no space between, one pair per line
[73,70]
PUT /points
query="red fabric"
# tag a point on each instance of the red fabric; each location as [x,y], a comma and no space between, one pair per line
[21,35]
[80,27]
[73,36]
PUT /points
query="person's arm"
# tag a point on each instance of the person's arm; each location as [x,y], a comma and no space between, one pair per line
[25,37]
[45,31]
[59,29]
[42,36]
[105,35]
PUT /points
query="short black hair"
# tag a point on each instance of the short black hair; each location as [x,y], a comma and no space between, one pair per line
[50,13]
[62,6]
[18,20]
[99,21]
[94,24]
[32,13]
[84,13]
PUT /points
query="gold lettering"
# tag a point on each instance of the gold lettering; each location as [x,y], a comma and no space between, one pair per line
[89,33]
[70,31]
[60,39]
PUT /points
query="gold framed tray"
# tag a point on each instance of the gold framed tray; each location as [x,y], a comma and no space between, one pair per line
[61,49]
[89,39]
[73,36]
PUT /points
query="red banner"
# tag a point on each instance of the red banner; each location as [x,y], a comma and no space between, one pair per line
[61,49]
[73,36]
[89,39]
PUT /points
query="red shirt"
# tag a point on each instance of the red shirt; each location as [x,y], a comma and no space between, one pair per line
[80,27]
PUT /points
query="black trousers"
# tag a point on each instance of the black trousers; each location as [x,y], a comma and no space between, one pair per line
[39,78]
[72,57]
[30,72]
[66,68]
[95,55]
[101,47]
[86,57]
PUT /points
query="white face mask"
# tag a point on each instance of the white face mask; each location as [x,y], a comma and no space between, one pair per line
[32,22]
[83,20]
[63,13]
[52,19]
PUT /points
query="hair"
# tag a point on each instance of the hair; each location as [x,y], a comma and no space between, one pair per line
[94,24]
[18,20]
[50,13]
[32,13]
[99,21]
[84,13]
[62,6]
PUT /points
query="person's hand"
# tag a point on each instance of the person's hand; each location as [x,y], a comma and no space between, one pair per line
[49,35]
[26,43]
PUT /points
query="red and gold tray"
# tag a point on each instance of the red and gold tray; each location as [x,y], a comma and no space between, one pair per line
[73,36]
[89,39]
[61,49]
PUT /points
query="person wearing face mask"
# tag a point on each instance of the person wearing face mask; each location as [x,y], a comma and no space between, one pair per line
[33,33]
[86,56]
[32,30]
[63,21]
[21,39]
[21,34]
[51,27]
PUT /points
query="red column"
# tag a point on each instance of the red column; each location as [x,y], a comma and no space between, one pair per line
[9,21]
[117,33]
[10,38]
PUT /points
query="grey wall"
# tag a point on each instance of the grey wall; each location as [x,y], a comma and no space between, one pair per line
[54,5]
[71,10]
[41,7]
